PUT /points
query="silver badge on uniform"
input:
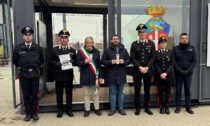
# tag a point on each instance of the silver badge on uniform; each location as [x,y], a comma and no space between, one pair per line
[190,50]
[22,52]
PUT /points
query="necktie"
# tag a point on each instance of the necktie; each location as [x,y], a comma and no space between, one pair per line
[64,49]
[28,46]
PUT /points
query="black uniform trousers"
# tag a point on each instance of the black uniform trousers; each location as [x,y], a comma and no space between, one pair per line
[137,88]
[60,85]
[30,87]
[164,92]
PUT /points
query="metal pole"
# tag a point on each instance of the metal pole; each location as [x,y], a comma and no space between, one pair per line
[64,20]
[200,60]
[9,34]
[184,15]
[111,18]
[119,18]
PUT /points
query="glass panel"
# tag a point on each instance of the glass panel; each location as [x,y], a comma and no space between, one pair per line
[80,26]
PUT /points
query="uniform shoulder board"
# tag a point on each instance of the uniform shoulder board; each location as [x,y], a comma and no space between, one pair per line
[135,41]
[56,46]
[150,40]
[21,45]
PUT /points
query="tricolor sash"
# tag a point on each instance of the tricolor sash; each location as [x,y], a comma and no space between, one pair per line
[92,65]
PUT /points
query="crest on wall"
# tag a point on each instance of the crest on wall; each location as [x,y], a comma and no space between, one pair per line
[156,26]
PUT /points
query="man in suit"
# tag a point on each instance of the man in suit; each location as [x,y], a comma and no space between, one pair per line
[88,59]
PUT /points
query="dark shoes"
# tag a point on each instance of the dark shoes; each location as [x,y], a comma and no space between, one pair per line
[35,117]
[148,111]
[28,117]
[87,113]
[177,110]
[60,114]
[137,112]
[167,111]
[190,111]
[162,111]
[111,112]
[122,112]
[69,113]
[98,112]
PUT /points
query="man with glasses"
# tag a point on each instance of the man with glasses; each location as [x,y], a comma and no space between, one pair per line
[142,56]
[61,59]
[28,57]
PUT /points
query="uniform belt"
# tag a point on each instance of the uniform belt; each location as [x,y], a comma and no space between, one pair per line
[27,70]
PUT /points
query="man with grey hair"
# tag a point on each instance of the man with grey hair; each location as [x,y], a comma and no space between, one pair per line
[88,59]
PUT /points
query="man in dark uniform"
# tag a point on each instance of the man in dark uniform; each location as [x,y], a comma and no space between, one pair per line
[63,77]
[28,58]
[185,61]
[164,62]
[142,56]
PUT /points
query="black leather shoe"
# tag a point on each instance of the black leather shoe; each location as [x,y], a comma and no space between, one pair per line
[69,113]
[177,110]
[111,112]
[60,114]
[28,117]
[148,111]
[137,112]
[190,111]
[122,112]
[35,117]
[87,113]
[98,112]
[167,111]
[162,111]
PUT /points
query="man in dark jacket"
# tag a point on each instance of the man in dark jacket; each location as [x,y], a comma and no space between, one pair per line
[28,57]
[116,58]
[185,61]
[88,59]
[63,77]
[142,56]
[164,63]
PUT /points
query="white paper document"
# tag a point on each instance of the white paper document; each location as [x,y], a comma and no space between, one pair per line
[65,61]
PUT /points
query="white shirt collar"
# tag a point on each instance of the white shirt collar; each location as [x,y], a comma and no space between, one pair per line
[64,47]
[28,44]
[145,40]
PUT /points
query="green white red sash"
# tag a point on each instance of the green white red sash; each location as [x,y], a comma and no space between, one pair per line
[92,65]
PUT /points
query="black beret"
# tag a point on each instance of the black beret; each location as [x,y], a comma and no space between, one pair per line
[27,30]
[162,39]
[64,32]
[141,27]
